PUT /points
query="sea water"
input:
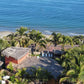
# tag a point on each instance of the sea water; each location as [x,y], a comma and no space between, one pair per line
[65,16]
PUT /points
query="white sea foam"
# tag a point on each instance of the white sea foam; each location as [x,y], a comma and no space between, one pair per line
[66,34]
[75,34]
[47,32]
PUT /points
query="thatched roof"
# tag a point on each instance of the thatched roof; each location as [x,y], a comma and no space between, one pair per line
[59,47]
[15,52]
[58,52]
[47,63]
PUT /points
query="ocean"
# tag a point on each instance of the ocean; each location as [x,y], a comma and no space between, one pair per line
[64,16]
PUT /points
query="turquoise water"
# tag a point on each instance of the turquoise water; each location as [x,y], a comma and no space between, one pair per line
[65,16]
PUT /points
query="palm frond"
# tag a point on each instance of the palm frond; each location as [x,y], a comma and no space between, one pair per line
[71,72]
[63,79]
[81,76]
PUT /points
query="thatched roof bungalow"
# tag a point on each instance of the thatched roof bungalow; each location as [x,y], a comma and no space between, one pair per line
[46,63]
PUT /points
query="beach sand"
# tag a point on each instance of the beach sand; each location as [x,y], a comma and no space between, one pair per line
[47,36]
[5,33]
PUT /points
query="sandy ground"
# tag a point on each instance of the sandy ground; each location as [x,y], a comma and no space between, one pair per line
[47,36]
[4,33]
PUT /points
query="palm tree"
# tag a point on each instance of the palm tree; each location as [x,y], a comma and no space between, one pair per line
[57,38]
[66,40]
[74,72]
[12,39]
[37,37]
[3,44]
[11,36]
[78,39]
[22,31]
[81,76]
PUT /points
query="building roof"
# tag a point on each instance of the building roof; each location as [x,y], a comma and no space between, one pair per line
[59,47]
[58,52]
[47,63]
[15,52]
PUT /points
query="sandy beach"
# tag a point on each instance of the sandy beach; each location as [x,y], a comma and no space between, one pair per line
[4,33]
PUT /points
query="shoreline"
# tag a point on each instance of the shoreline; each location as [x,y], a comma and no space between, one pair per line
[45,33]
[5,33]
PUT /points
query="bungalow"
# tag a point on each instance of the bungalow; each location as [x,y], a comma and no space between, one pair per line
[15,54]
[46,63]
